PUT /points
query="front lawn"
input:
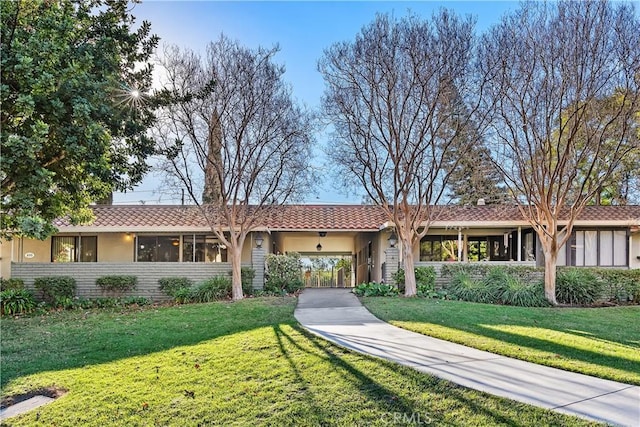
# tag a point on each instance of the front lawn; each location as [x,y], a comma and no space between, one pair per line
[244,363]
[602,342]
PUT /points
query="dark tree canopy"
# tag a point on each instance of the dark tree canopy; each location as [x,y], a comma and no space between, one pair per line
[74,115]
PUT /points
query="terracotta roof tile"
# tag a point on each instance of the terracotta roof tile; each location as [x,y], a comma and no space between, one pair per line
[327,217]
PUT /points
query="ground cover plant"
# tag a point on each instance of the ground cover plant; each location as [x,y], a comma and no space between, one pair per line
[222,363]
[603,342]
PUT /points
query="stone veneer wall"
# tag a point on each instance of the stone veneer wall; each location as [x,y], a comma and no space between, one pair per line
[147,273]
[442,282]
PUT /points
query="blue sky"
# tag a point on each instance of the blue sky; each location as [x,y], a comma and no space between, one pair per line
[301,29]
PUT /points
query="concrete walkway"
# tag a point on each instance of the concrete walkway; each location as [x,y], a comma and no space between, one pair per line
[338,316]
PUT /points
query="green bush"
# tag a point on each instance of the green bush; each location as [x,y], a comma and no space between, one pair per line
[16,301]
[171,285]
[117,284]
[374,289]
[54,289]
[466,288]
[425,280]
[622,286]
[577,286]
[9,284]
[482,269]
[133,300]
[216,288]
[283,273]
[497,287]
[516,292]
[183,295]
[247,274]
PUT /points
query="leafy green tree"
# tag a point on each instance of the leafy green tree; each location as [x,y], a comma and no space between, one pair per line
[472,173]
[74,111]
[622,187]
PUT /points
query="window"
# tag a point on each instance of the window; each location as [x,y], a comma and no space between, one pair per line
[438,248]
[74,249]
[198,248]
[158,249]
[192,247]
[607,248]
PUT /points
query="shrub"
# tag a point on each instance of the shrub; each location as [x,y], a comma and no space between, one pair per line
[171,285]
[133,300]
[283,273]
[479,270]
[577,286]
[16,301]
[9,284]
[374,289]
[620,285]
[216,288]
[183,295]
[247,274]
[54,289]
[425,279]
[497,287]
[516,292]
[465,288]
[117,284]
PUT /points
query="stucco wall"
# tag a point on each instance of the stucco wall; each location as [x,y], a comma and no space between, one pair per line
[306,242]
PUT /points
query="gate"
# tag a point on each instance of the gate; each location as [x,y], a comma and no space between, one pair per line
[326,271]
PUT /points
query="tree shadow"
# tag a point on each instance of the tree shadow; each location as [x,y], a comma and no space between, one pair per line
[76,339]
[387,400]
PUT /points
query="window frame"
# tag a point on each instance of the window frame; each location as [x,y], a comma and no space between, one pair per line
[76,254]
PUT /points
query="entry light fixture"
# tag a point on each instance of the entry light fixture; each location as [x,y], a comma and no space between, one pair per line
[259,240]
[393,240]
[320,234]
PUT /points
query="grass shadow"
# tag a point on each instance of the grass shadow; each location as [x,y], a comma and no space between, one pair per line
[73,339]
[548,331]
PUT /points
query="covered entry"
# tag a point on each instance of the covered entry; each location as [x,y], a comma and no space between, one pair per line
[327,270]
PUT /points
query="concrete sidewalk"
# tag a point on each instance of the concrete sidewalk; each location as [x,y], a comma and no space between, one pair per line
[338,316]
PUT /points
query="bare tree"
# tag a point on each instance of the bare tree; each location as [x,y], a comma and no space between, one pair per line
[240,145]
[551,65]
[393,97]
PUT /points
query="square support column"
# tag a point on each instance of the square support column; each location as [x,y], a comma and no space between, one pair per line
[391,261]
[258,256]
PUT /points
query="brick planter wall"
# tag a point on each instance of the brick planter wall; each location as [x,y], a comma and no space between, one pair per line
[147,273]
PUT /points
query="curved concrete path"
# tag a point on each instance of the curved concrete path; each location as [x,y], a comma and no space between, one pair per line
[338,316]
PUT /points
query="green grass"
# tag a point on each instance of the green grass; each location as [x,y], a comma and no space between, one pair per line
[244,363]
[602,342]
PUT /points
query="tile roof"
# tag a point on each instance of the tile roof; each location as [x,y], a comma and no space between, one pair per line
[329,217]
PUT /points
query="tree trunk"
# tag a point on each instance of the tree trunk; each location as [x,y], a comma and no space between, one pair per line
[550,261]
[409,272]
[236,276]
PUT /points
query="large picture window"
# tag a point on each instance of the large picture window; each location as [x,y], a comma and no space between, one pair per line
[158,249]
[438,248]
[185,248]
[74,249]
[199,248]
[605,248]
